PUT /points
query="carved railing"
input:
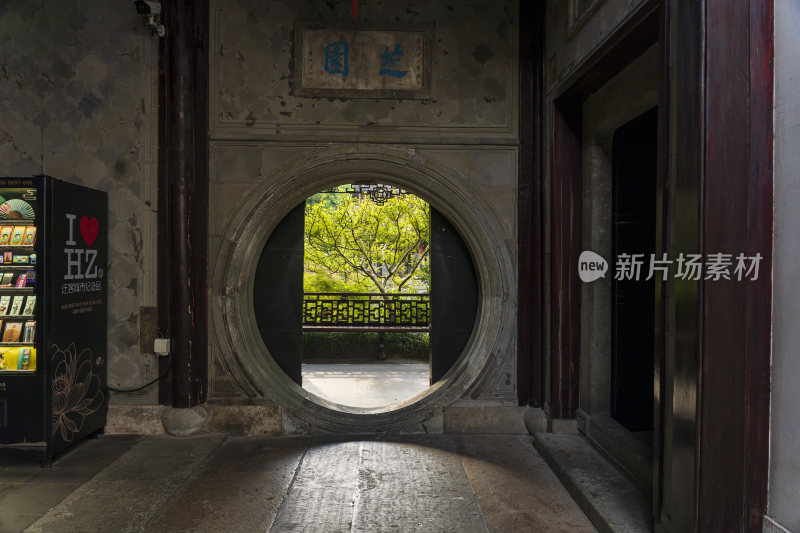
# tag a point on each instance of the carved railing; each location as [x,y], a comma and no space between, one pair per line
[366,312]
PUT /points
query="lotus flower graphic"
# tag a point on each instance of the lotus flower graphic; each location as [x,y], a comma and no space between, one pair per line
[76,391]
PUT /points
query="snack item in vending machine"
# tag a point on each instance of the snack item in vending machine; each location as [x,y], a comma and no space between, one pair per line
[23,359]
[30,305]
[16,236]
[16,305]
[5,235]
[12,332]
[29,332]
[29,238]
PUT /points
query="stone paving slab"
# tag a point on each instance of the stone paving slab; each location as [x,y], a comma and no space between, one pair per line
[320,499]
[611,501]
[516,490]
[240,489]
[411,484]
[28,491]
[131,491]
[414,487]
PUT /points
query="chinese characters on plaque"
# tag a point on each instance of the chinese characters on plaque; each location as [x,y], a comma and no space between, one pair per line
[363,63]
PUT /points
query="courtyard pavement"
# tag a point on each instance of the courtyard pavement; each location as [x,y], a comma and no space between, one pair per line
[366,384]
[214,483]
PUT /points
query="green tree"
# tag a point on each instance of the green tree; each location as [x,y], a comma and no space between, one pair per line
[357,243]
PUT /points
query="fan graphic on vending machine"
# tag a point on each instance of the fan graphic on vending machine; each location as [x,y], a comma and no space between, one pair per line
[16,209]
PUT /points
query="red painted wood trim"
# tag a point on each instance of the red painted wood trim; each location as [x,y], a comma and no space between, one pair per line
[760,239]
[734,425]
[566,241]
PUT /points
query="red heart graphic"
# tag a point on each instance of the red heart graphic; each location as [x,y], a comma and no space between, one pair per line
[89,229]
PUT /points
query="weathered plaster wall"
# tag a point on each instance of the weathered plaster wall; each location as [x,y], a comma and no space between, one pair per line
[259,127]
[784,480]
[78,86]
[473,64]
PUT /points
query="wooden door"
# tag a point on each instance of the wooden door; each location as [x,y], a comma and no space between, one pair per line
[454,295]
[278,294]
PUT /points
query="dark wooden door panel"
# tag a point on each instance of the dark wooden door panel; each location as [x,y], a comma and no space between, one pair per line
[454,295]
[634,163]
[278,293]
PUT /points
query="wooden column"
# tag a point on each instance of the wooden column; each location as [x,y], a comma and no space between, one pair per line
[737,198]
[531,349]
[183,199]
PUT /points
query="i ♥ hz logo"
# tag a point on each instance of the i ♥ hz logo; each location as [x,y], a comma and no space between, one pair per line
[81,261]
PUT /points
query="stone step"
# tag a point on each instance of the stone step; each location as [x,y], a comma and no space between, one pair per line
[612,502]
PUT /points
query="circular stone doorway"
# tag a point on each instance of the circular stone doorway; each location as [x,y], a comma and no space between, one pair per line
[242,349]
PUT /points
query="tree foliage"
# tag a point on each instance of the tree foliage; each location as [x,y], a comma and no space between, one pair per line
[352,242]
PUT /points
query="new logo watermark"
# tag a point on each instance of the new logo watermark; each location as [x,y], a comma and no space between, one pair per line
[591,266]
[691,267]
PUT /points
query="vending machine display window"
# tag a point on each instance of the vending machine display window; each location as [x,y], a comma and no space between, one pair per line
[18,227]
[53,325]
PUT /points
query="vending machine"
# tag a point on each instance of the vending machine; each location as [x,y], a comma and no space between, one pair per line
[53,315]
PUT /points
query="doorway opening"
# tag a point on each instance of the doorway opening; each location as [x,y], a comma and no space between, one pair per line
[345,301]
[633,306]
[366,295]
[620,208]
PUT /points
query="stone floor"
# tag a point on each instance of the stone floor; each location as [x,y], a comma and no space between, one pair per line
[366,384]
[419,483]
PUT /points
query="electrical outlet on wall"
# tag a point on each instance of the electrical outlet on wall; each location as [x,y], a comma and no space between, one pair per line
[161,346]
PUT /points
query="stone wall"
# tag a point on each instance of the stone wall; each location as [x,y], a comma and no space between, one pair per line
[78,85]
[260,129]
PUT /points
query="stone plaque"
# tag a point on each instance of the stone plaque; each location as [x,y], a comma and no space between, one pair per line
[362,62]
